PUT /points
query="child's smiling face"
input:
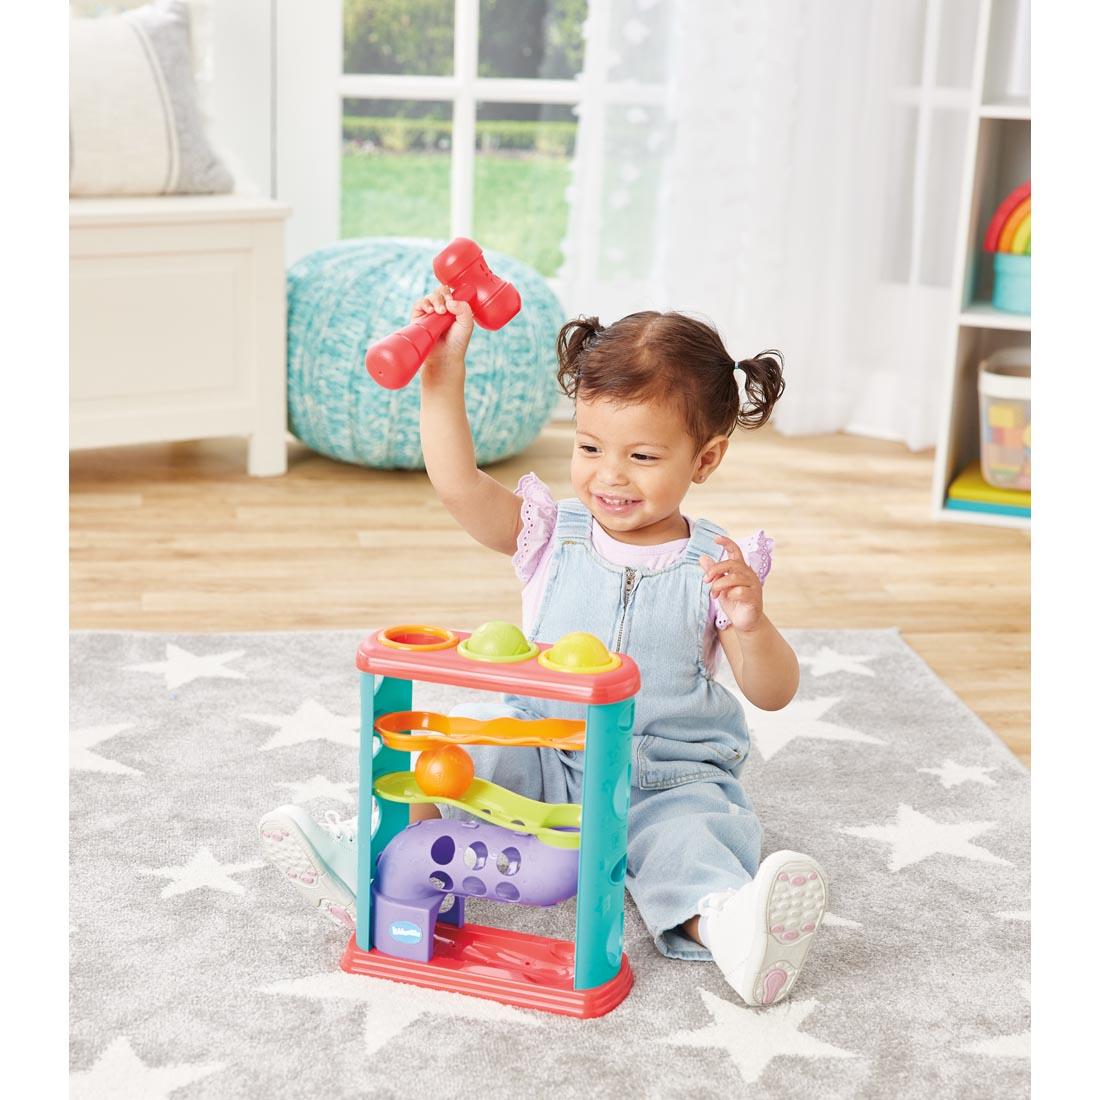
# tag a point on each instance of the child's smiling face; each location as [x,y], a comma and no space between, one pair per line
[632,467]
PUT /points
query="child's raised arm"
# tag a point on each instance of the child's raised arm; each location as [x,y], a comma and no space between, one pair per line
[488,510]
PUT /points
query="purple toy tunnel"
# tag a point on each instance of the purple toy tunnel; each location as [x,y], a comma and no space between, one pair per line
[431,859]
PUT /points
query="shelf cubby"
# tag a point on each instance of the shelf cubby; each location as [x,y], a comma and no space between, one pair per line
[999,160]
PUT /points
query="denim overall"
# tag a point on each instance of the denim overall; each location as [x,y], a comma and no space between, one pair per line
[691,828]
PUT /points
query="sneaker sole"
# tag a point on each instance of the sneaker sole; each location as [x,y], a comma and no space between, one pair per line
[796,901]
[287,847]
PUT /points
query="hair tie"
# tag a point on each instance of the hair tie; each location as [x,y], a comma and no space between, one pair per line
[737,365]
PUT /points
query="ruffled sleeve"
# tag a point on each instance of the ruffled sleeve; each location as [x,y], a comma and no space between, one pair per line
[757,549]
[539,514]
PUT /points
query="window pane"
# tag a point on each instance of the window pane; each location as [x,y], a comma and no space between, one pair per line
[412,37]
[521,173]
[531,38]
[396,169]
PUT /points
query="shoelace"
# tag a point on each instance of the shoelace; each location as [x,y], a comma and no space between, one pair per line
[337,828]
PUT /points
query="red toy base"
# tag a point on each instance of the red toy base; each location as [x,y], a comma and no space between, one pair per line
[499,965]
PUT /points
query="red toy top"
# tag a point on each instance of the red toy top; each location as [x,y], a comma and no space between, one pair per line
[577,669]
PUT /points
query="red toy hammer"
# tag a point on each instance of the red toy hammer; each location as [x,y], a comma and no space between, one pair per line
[394,360]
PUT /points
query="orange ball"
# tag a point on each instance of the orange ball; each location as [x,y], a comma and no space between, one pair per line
[445,772]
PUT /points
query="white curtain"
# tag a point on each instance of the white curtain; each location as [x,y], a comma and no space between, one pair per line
[790,169]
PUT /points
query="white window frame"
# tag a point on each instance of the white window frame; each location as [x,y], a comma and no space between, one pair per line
[464,90]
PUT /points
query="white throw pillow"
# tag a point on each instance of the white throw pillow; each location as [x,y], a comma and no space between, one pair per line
[135,122]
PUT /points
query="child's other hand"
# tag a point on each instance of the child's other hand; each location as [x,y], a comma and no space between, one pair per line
[736,586]
[447,359]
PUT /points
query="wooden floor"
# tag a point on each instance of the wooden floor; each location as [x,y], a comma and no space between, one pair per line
[177,537]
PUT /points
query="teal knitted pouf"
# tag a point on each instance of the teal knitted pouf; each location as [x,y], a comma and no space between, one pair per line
[343,298]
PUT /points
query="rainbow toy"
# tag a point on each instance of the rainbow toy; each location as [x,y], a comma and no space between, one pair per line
[1008,237]
[1010,227]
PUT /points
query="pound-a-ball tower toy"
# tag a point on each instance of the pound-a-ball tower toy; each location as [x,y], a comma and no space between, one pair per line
[410,922]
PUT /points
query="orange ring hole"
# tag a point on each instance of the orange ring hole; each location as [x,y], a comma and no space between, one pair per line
[416,637]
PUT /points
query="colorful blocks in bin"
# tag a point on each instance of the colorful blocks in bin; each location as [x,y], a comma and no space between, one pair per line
[1004,393]
[1006,416]
[1004,457]
[1009,437]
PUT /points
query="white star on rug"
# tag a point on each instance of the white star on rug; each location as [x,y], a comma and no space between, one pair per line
[118,1072]
[1015,914]
[320,787]
[954,775]
[826,661]
[82,759]
[751,1038]
[773,729]
[202,870]
[840,922]
[392,1006]
[181,667]
[1005,1046]
[310,722]
[914,837]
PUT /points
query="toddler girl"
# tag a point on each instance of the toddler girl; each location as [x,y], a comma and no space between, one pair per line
[656,398]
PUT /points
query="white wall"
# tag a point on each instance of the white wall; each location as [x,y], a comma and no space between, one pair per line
[240,88]
[274,95]
[308,61]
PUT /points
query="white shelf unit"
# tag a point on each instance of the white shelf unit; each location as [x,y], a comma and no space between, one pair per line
[998,159]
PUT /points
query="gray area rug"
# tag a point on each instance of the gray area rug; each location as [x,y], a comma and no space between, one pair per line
[196,972]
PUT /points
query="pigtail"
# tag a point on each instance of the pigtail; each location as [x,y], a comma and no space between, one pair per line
[764,385]
[574,340]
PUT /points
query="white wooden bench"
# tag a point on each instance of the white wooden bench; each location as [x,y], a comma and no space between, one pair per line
[178,322]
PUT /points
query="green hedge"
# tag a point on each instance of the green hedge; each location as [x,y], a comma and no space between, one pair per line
[399,135]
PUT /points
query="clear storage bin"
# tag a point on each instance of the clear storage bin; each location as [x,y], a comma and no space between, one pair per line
[1004,397]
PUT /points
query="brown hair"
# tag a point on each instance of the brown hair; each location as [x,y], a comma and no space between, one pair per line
[652,356]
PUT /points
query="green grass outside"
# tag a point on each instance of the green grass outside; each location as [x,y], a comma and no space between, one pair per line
[519,201]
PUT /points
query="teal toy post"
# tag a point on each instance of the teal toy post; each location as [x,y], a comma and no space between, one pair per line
[414,880]
[392,695]
[604,807]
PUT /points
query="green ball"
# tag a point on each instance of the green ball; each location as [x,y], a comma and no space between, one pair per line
[498,641]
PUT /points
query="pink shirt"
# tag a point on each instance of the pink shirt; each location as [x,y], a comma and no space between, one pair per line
[534,546]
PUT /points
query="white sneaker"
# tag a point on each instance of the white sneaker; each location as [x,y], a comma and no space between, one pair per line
[760,935]
[317,857]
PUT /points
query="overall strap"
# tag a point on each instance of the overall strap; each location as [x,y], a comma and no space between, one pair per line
[704,540]
[574,523]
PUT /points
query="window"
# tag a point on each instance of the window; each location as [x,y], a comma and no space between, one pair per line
[460,119]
